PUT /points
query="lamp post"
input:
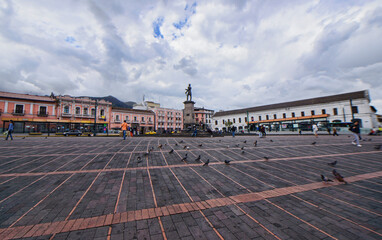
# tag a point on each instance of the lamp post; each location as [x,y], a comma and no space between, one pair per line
[95,118]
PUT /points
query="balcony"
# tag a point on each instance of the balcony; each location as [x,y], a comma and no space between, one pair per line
[135,121]
[150,122]
[18,113]
[42,114]
[117,121]
[143,121]
[102,117]
[66,114]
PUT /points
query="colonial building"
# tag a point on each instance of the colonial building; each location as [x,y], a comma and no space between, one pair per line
[335,110]
[140,121]
[203,117]
[33,113]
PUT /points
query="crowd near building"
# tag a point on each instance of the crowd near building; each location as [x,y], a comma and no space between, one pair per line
[32,113]
[327,112]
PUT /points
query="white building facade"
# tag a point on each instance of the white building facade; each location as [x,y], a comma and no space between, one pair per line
[329,111]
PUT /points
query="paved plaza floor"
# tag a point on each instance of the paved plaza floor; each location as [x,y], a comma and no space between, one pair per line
[108,188]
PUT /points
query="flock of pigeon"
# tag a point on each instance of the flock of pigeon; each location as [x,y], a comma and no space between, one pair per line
[325,179]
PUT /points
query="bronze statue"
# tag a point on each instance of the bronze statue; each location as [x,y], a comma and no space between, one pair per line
[188,92]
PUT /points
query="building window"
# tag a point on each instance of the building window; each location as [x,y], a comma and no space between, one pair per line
[85,111]
[274,116]
[252,119]
[143,119]
[135,119]
[216,122]
[302,114]
[117,118]
[245,119]
[234,120]
[323,111]
[78,110]
[354,109]
[127,118]
[19,108]
[259,118]
[93,112]
[335,111]
[312,112]
[284,115]
[267,117]
[239,120]
[42,110]
[293,114]
[223,121]
[66,109]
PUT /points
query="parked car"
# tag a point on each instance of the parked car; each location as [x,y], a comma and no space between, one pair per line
[151,132]
[73,133]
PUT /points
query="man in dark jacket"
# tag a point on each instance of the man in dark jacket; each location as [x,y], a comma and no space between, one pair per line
[354,128]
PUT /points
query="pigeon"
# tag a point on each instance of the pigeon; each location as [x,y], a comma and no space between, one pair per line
[338,176]
[160,146]
[207,162]
[176,144]
[184,147]
[378,147]
[23,138]
[171,151]
[147,153]
[242,148]
[181,141]
[200,145]
[245,141]
[46,137]
[348,136]
[370,139]
[237,145]
[185,157]
[139,159]
[227,162]
[242,152]
[220,140]
[332,164]
[313,143]
[198,159]
[255,143]
[266,158]
[228,146]
[325,179]
[271,140]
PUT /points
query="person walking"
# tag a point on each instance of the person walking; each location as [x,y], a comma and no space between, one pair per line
[354,128]
[315,129]
[124,129]
[10,130]
[233,129]
[335,132]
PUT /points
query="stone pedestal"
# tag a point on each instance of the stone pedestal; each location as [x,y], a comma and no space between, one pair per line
[188,114]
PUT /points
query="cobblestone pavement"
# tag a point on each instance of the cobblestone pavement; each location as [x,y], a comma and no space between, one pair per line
[107,188]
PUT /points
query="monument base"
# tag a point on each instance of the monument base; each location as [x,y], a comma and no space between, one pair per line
[188,115]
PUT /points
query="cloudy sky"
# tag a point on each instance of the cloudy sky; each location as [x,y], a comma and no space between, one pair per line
[235,53]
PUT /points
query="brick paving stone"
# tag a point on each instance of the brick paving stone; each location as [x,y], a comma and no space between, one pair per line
[136,217]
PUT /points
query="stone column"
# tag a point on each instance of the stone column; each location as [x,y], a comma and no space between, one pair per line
[188,114]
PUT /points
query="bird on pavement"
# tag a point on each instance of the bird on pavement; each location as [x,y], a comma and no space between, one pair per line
[245,141]
[185,158]
[332,164]
[325,179]
[237,145]
[23,138]
[242,152]
[200,145]
[46,137]
[313,143]
[227,162]
[271,140]
[207,162]
[160,146]
[139,159]
[198,159]
[176,144]
[171,151]
[338,176]
[181,141]
[266,158]
[242,148]
[378,147]
[255,143]
[184,147]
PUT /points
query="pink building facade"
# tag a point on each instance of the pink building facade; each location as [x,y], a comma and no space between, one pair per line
[140,121]
[168,120]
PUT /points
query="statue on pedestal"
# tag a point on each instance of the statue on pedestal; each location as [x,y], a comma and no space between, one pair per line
[188,92]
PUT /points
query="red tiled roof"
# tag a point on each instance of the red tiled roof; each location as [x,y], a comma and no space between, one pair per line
[25,96]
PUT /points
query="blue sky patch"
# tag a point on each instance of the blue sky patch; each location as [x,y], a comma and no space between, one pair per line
[156,27]
[70,39]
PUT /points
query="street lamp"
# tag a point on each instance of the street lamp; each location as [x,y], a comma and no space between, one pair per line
[95,118]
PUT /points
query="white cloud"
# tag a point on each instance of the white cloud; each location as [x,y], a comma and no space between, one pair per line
[234,53]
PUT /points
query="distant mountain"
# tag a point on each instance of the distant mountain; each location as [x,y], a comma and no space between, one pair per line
[130,104]
[115,101]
